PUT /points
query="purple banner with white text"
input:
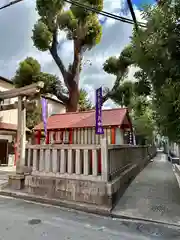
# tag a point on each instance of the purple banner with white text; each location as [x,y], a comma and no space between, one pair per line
[44,114]
[99,127]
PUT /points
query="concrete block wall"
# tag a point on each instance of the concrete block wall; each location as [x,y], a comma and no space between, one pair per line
[82,191]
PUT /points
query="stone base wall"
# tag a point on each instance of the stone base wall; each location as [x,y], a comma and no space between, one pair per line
[82,191]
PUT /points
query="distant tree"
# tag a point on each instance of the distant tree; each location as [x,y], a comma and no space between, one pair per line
[33,116]
[143,120]
[29,71]
[84,102]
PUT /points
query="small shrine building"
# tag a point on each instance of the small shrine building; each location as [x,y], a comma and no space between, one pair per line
[79,128]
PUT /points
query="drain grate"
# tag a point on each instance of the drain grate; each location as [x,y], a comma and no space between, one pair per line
[158,231]
[34,221]
[159,208]
[152,231]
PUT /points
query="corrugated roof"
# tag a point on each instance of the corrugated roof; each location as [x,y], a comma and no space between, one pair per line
[110,117]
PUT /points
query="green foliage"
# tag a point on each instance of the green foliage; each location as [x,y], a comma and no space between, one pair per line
[143,85]
[49,80]
[84,102]
[155,50]
[94,31]
[143,118]
[157,53]
[144,126]
[29,71]
[132,94]
[123,93]
[33,116]
[111,65]
[119,66]
[67,22]
[140,108]
[42,37]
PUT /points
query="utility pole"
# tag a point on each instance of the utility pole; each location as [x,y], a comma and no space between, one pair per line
[132,13]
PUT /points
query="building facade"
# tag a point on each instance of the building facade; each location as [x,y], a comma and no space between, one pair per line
[9,120]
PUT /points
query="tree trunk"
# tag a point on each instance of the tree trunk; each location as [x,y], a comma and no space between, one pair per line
[72,105]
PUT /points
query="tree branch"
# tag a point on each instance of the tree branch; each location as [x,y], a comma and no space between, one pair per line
[62,97]
[75,71]
[57,59]
[110,92]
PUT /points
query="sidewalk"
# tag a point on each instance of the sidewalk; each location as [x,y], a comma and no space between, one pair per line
[4,172]
[153,195]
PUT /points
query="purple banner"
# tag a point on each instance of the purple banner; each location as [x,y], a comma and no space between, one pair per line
[44,114]
[99,127]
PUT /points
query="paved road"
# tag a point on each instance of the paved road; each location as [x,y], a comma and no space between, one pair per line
[21,220]
[154,194]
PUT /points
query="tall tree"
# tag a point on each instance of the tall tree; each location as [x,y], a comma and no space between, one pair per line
[156,50]
[119,68]
[81,26]
[28,72]
[132,95]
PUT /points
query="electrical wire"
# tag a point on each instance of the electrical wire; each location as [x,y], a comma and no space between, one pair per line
[10,4]
[106,14]
[88,8]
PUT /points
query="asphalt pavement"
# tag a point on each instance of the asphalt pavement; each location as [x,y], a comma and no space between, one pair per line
[21,220]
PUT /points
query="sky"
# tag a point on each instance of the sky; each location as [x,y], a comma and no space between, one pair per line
[16,23]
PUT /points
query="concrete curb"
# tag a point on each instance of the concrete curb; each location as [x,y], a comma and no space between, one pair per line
[99,210]
[144,220]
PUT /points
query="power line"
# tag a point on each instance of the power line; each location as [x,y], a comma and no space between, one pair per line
[106,14]
[10,4]
[103,13]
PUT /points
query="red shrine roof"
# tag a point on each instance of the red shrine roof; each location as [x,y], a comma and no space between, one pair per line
[9,127]
[110,117]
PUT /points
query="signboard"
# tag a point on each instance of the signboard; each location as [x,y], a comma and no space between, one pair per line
[44,114]
[99,127]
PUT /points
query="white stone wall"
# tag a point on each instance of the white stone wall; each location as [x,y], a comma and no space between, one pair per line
[11,115]
[55,107]
[119,136]
[174,147]
[7,137]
